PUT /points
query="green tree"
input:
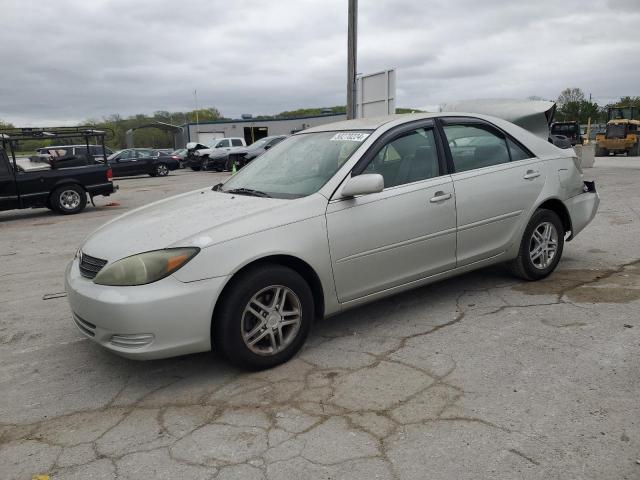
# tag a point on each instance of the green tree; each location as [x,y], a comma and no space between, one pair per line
[204,115]
[570,95]
[573,106]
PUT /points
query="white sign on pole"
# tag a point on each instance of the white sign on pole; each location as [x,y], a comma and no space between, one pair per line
[376,94]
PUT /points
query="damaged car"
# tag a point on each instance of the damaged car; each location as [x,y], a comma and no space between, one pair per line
[332,217]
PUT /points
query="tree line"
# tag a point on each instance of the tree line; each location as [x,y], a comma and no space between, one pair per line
[572,104]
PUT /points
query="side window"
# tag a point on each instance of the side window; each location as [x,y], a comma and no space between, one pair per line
[222,144]
[143,153]
[126,155]
[236,142]
[409,158]
[475,146]
[517,152]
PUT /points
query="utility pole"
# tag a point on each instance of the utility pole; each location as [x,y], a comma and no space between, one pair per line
[195,94]
[352,50]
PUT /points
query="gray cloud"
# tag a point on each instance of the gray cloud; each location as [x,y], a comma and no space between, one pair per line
[70,60]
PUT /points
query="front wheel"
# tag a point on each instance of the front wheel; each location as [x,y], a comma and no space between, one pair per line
[68,199]
[541,246]
[264,318]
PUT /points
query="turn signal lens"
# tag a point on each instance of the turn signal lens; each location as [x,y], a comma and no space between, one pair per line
[145,267]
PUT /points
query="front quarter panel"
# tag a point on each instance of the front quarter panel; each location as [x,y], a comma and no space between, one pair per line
[305,239]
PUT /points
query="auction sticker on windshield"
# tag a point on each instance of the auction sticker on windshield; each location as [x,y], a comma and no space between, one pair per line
[349,136]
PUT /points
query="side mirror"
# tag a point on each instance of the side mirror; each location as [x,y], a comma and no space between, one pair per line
[363,185]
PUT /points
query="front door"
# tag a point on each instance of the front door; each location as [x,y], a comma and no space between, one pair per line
[404,233]
[496,181]
[125,164]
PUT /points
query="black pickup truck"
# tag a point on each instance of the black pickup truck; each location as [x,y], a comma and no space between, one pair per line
[27,184]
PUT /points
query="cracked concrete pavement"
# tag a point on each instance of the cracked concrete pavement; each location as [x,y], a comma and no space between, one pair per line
[481,376]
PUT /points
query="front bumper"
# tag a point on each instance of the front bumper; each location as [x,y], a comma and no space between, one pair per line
[582,208]
[159,320]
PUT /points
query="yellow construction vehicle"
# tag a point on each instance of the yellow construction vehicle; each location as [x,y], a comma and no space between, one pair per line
[622,134]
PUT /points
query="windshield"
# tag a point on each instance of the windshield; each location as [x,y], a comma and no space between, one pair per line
[299,165]
[616,131]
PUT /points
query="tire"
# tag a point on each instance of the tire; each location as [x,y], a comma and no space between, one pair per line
[634,151]
[256,289]
[228,166]
[161,170]
[527,265]
[68,199]
[601,152]
[195,169]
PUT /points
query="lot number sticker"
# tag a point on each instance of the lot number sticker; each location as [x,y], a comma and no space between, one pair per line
[349,137]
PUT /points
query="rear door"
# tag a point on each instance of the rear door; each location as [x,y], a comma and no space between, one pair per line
[145,161]
[402,234]
[497,182]
[8,191]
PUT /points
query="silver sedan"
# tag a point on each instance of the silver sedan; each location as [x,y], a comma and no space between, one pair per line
[330,218]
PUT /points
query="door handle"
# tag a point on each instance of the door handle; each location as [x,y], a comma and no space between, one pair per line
[531,174]
[440,197]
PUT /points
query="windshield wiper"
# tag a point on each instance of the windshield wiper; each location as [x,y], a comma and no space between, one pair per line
[248,191]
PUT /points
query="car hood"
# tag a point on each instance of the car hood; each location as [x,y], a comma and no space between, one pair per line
[200,218]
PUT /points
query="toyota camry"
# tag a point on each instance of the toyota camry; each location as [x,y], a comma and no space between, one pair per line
[330,218]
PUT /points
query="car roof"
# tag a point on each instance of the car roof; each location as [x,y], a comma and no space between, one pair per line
[67,146]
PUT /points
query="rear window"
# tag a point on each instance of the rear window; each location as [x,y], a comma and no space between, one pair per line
[566,129]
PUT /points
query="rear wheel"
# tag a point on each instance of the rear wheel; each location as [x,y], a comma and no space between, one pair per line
[68,199]
[264,318]
[161,170]
[541,246]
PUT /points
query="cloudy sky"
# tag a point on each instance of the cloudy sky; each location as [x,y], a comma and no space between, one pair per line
[69,60]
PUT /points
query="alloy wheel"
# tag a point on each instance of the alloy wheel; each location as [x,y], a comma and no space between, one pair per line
[162,170]
[271,320]
[543,245]
[69,199]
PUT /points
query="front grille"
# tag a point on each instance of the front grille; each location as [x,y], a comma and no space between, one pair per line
[84,326]
[90,266]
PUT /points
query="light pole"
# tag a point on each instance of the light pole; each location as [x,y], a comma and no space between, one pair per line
[352,50]
[195,95]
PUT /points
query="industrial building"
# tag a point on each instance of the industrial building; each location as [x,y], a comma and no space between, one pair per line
[252,129]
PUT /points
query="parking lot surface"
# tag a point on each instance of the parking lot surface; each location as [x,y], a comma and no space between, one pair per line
[481,376]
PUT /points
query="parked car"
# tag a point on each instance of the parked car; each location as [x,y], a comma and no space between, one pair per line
[571,130]
[220,149]
[336,216]
[242,156]
[142,161]
[63,190]
[181,153]
[62,156]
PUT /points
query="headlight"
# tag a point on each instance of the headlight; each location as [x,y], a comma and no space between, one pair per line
[145,267]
